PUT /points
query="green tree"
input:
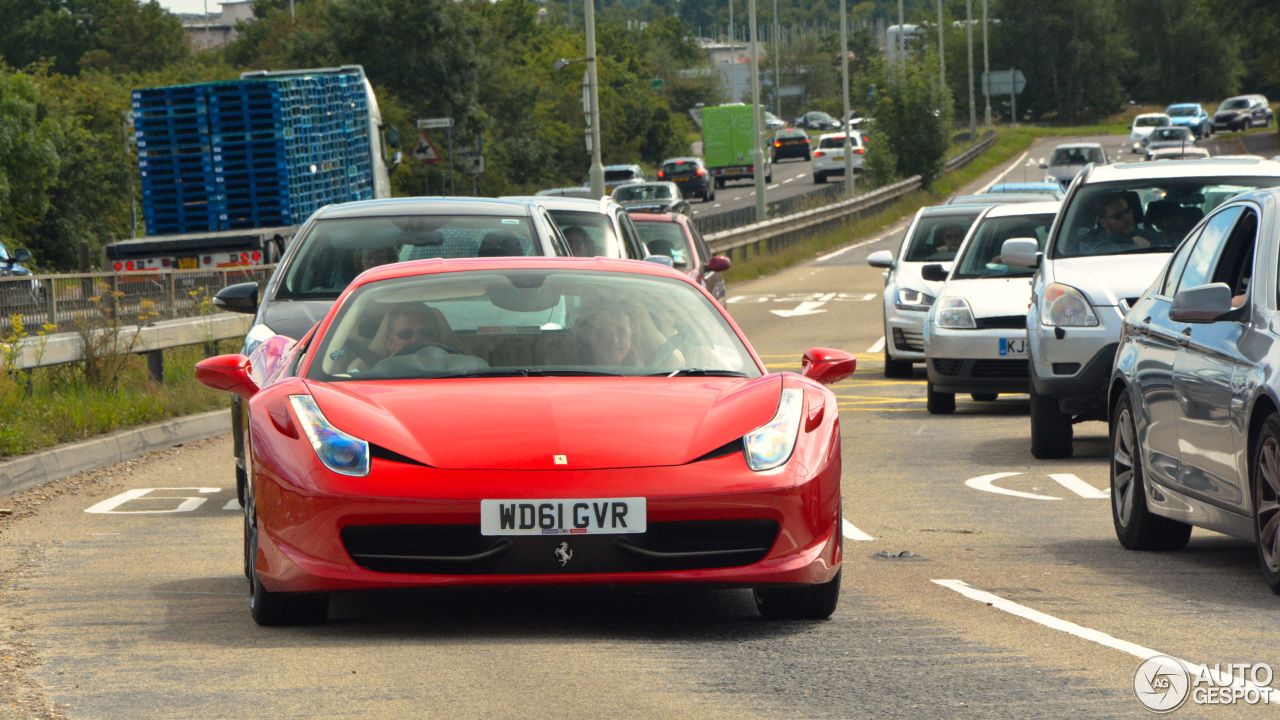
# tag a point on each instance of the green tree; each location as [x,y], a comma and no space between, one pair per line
[913,111]
[29,159]
[120,34]
[1182,52]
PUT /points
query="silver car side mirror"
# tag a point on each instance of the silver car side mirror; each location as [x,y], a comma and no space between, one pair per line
[880,259]
[1021,252]
[1201,304]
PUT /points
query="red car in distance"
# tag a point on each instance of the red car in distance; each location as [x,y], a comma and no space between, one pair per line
[534,421]
[677,237]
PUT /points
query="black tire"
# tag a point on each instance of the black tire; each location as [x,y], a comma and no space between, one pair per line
[1137,528]
[271,609]
[819,178]
[807,157]
[1264,471]
[719,183]
[1051,431]
[899,369]
[768,178]
[984,397]
[807,602]
[248,505]
[939,403]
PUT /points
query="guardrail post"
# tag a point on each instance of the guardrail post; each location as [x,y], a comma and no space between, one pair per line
[155,365]
[173,303]
[52,297]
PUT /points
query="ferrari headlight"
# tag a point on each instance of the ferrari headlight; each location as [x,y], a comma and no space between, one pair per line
[909,299]
[771,444]
[954,313]
[340,452]
[1065,306]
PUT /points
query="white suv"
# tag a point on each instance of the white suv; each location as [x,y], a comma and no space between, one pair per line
[827,158]
[1116,229]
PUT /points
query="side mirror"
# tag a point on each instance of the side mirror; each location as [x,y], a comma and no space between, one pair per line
[20,255]
[393,138]
[1044,165]
[241,298]
[1021,252]
[227,372]
[827,366]
[1201,304]
[934,272]
[880,259]
[660,260]
[719,263]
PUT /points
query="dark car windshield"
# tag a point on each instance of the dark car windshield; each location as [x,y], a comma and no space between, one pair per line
[1142,215]
[981,256]
[599,230]
[934,239]
[642,192]
[527,323]
[666,238]
[1234,104]
[335,251]
[1148,122]
[1076,156]
[681,166]
[1181,112]
[790,134]
[1171,133]
[620,175]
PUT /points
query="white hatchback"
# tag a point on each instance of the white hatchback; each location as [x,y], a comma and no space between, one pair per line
[828,157]
[1142,127]
[975,338]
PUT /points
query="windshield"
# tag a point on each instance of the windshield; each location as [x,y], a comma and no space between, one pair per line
[1236,104]
[834,142]
[1142,215]
[1153,121]
[615,176]
[665,238]
[1076,156]
[1181,112]
[335,251]
[600,240]
[981,256]
[1171,133]
[936,239]
[527,322]
[642,192]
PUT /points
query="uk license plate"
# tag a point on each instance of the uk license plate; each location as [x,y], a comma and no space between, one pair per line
[1015,347]
[680,178]
[837,158]
[589,516]
[187,263]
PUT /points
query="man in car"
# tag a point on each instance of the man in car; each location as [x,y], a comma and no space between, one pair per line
[1117,226]
[949,239]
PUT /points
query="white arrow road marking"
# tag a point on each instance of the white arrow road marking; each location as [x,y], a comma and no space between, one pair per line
[1097,636]
[986,482]
[878,346]
[187,504]
[1080,487]
[854,533]
[804,308]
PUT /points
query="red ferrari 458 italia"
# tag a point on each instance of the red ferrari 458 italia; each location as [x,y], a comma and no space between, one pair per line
[521,421]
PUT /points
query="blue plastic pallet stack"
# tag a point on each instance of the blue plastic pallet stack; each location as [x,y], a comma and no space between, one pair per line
[251,153]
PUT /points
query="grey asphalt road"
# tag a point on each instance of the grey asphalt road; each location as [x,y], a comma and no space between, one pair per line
[142,612]
[790,177]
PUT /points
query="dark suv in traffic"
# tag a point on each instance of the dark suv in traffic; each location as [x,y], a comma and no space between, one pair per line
[1242,112]
[691,175]
[791,143]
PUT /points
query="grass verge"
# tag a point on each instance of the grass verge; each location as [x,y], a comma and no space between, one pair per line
[58,406]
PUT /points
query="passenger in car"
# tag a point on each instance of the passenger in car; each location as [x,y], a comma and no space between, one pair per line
[1117,224]
[500,243]
[580,242]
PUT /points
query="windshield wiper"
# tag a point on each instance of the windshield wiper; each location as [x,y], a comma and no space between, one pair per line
[1149,249]
[700,372]
[534,372]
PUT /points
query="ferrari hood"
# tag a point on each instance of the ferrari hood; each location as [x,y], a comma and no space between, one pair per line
[524,423]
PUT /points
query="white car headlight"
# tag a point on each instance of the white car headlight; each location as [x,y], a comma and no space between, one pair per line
[340,452]
[771,444]
[1065,306]
[257,335]
[954,313]
[909,299]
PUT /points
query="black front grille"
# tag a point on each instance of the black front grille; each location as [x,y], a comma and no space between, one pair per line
[1000,368]
[946,366]
[1004,322]
[905,340]
[462,550]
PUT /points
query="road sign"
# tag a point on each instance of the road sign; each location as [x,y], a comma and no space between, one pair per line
[425,151]
[434,123]
[1003,82]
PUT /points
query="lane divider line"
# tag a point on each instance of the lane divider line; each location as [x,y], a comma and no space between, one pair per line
[852,532]
[1006,172]
[1084,633]
[843,250]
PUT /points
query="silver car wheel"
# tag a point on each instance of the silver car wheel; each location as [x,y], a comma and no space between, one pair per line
[1268,499]
[1122,469]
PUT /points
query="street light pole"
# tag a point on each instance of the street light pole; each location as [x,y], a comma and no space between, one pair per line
[942,55]
[844,75]
[973,117]
[777,64]
[986,64]
[757,153]
[596,173]
[733,60]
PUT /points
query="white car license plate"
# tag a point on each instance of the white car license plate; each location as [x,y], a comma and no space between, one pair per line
[589,516]
[1015,347]
[837,158]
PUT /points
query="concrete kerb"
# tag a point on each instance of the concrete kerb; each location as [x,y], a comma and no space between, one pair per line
[64,461]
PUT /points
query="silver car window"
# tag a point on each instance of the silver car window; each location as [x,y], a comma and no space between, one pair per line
[1204,256]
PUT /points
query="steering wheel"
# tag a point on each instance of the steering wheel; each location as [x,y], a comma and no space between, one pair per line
[415,347]
[361,351]
[667,349]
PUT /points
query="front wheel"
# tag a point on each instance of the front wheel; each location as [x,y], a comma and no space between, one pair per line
[939,403]
[806,602]
[819,178]
[271,609]
[1050,428]
[1265,470]
[899,369]
[984,397]
[1137,527]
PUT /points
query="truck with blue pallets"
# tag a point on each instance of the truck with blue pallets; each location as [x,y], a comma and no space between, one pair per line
[230,170]
[727,133]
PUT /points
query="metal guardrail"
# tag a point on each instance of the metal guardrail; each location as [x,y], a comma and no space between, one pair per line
[774,235]
[776,208]
[60,348]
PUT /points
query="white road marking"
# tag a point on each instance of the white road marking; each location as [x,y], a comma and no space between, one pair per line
[1080,487]
[878,346]
[986,482]
[869,297]
[233,505]
[784,182]
[716,205]
[774,186]
[1007,170]
[843,250]
[804,308]
[1080,631]
[189,502]
[854,533]
[734,299]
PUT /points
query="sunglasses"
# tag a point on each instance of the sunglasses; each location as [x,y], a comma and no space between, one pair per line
[410,333]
